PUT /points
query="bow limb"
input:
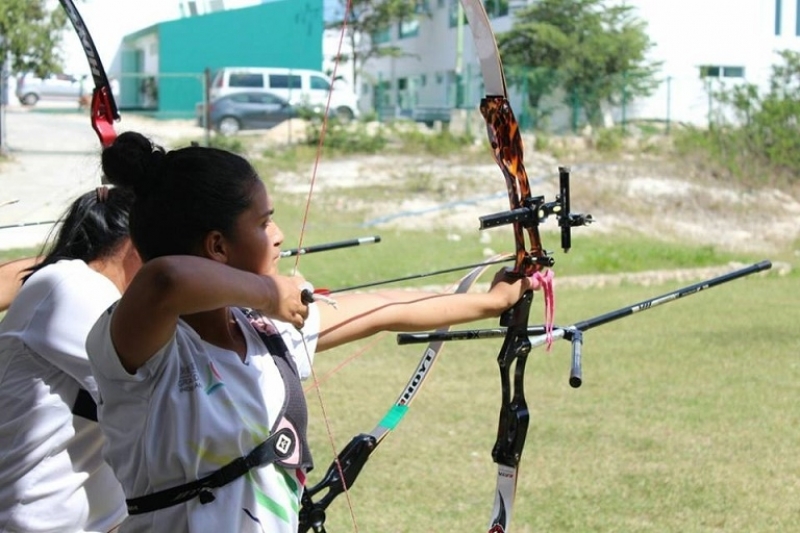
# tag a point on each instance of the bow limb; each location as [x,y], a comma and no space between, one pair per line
[104,110]
[347,465]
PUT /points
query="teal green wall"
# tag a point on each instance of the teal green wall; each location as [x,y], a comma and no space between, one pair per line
[286,33]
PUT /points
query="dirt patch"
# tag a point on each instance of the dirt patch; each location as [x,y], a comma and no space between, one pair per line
[648,196]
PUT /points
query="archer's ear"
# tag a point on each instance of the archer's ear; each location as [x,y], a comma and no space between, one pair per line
[215,247]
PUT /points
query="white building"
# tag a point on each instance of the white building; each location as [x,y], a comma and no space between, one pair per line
[729,41]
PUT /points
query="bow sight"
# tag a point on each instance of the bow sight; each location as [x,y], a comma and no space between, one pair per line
[535,211]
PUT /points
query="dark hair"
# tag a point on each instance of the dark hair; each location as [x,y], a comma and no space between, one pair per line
[93,226]
[181,195]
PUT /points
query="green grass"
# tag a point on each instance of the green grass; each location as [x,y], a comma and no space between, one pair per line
[687,422]
[17,253]
[402,253]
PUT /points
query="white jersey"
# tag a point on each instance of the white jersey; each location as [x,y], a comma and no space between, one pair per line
[191,409]
[52,475]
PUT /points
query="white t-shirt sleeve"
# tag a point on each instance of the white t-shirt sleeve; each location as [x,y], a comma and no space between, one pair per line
[105,361]
[59,325]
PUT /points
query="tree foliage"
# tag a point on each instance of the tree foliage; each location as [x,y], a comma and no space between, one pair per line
[367,19]
[595,50]
[31,33]
[755,134]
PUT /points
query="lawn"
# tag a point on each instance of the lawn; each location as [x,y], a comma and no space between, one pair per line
[687,421]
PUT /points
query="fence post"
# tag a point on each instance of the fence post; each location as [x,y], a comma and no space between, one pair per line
[526,120]
[379,98]
[575,106]
[207,105]
[468,98]
[669,102]
[624,100]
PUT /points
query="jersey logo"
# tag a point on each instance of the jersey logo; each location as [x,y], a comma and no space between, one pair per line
[213,378]
[189,378]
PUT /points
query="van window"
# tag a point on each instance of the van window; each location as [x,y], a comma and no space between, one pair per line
[246,80]
[284,81]
[320,83]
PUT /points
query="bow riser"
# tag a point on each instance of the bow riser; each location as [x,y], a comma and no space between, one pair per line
[507,150]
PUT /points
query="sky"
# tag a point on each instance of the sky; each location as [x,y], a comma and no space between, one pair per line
[109,20]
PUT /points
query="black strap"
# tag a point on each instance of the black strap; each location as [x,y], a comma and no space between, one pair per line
[288,436]
[84,406]
[278,446]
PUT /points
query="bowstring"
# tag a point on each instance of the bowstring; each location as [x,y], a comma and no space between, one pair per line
[295,269]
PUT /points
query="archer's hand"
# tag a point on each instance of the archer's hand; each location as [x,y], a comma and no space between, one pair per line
[283,299]
[510,288]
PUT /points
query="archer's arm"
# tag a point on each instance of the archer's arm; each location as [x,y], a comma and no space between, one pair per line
[361,315]
[11,274]
[169,287]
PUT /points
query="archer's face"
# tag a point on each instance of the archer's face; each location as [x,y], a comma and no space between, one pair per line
[256,245]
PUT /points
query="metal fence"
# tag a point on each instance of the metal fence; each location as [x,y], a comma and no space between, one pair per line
[542,103]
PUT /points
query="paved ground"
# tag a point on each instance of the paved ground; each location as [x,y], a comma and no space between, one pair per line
[53,157]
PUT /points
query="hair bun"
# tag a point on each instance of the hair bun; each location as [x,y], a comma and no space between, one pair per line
[133,161]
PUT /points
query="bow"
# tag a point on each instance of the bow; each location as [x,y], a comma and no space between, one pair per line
[525,214]
[103,109]
[345,468]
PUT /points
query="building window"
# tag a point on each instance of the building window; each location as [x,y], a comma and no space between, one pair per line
[496,8]
[716,71]
[797,19]
[404,100]
[382,36]
[408,28]
[733,72]
[383,94]
[778,6]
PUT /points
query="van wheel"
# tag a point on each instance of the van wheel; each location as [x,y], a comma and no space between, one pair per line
[345,114]
[229,126]
[29,99]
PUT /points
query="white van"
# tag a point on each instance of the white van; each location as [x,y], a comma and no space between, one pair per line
[298,86]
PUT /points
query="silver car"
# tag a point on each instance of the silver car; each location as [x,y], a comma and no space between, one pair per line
[31,89]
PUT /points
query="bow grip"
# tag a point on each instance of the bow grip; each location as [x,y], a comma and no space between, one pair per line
[341,475]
